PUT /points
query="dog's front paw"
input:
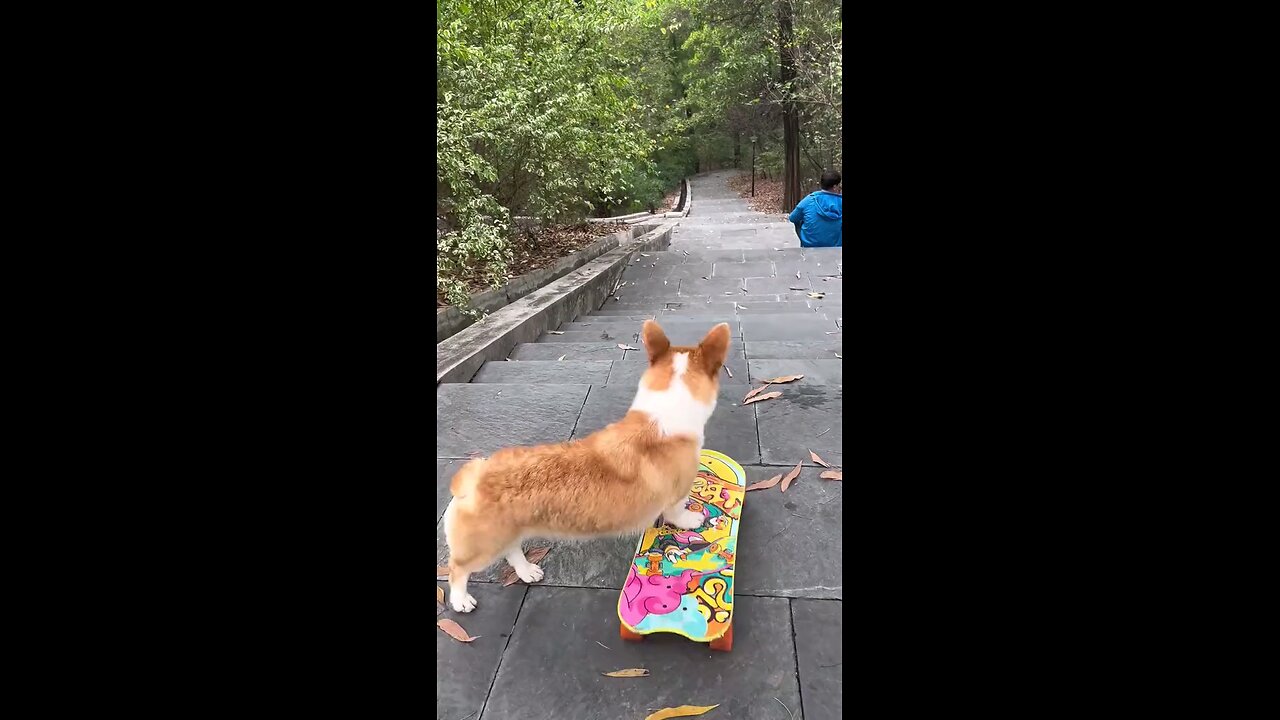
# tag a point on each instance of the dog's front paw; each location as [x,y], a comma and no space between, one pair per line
[530,573]
[686,520]
[462,602]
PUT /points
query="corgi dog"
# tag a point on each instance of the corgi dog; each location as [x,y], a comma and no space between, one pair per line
[613,482]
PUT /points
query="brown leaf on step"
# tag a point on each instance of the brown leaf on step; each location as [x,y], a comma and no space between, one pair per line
[795,473]
[455,631]
[439,594]
[629,672]
[536,554]
[797,274]
[817,295]
[764,484]
[766,396]
[442,571]
[626,347]
[784,379]
[838,355]
[561,358]
[555,332]
[755,392]
[682,711]
[726,369]
[832,474]
[814,456]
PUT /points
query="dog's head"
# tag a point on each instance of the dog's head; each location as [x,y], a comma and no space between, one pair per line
[681,383]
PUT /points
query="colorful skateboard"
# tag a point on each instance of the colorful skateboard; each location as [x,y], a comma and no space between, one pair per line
[681,581]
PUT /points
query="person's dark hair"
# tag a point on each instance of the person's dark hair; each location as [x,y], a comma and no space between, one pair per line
[830,179]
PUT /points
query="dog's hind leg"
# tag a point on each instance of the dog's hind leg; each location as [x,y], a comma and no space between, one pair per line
[527,571]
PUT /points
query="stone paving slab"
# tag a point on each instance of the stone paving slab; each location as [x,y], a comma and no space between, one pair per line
[805,349]
[465,671]
[570,635]
[487,417]
[789,425]
[571,351]
[542,372]
[789,544]
[714,309]
[731,430]
[786,327]
[820,657]
[743,269]
[780,284]
[818,372]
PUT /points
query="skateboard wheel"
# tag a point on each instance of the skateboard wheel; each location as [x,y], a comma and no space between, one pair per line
[628,635]
[724,643]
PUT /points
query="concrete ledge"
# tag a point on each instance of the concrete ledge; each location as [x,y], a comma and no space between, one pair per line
[687,196]
[450,322]
[460,357]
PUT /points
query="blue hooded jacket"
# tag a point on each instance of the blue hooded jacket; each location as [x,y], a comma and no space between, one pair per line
[817,219]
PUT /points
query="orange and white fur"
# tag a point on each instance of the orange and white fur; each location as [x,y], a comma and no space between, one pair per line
[612,482]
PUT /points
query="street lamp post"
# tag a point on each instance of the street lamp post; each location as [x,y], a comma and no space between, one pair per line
[753,166]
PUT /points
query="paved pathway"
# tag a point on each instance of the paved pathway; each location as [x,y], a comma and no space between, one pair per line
[544,646]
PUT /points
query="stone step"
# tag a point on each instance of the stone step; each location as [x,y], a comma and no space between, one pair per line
[816,371]
[543,372]
[669,324]
[827,348]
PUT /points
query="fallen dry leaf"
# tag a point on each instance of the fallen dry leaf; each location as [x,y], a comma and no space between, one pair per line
[743,307]
[833,332]
[784,379]
[726,369]
[786,481]
[838,355]
[832,474]
[764,484]
[626,347]
[629,672]
[555,332]
[796,288]
[797,274]
[455,631]
[561,358]
[817,295]
[439,594]
[442,571]
[755,392]
[766,396]
[682,711]
[819,460]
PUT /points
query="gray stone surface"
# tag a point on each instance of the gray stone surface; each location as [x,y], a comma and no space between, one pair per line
[765,349]
[465,671]
[731,430]
[781,284]
[816,372]
[673,327]
[572,351]
[787,327]
[743,269]
[561,634]
[488,417]
[820,644]
[600,562]
[736,362]
[782,531]
[790,425]
[542,372]
[628,373]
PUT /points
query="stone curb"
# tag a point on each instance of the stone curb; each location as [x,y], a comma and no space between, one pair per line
[460,357]
[450,322]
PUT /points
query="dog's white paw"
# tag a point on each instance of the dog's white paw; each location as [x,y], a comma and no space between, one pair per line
[686,520]
[530,573]
[463,602]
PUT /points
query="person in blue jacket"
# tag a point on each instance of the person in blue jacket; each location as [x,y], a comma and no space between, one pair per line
[817,217]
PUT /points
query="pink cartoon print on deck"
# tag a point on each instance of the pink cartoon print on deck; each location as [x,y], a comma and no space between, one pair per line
[652,594]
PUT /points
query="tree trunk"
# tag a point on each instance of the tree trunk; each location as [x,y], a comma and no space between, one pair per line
[790,118]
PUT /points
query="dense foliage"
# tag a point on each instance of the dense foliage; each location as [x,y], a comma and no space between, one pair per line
[559,110]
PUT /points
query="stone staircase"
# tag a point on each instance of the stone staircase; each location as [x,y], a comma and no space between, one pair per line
[725,264]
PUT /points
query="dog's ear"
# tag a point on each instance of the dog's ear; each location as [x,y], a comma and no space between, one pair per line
[655,340]
[714,348]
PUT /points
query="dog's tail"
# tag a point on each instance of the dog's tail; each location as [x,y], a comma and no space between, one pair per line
[464,481]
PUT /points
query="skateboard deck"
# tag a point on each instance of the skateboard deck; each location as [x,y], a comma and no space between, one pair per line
[681,581]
